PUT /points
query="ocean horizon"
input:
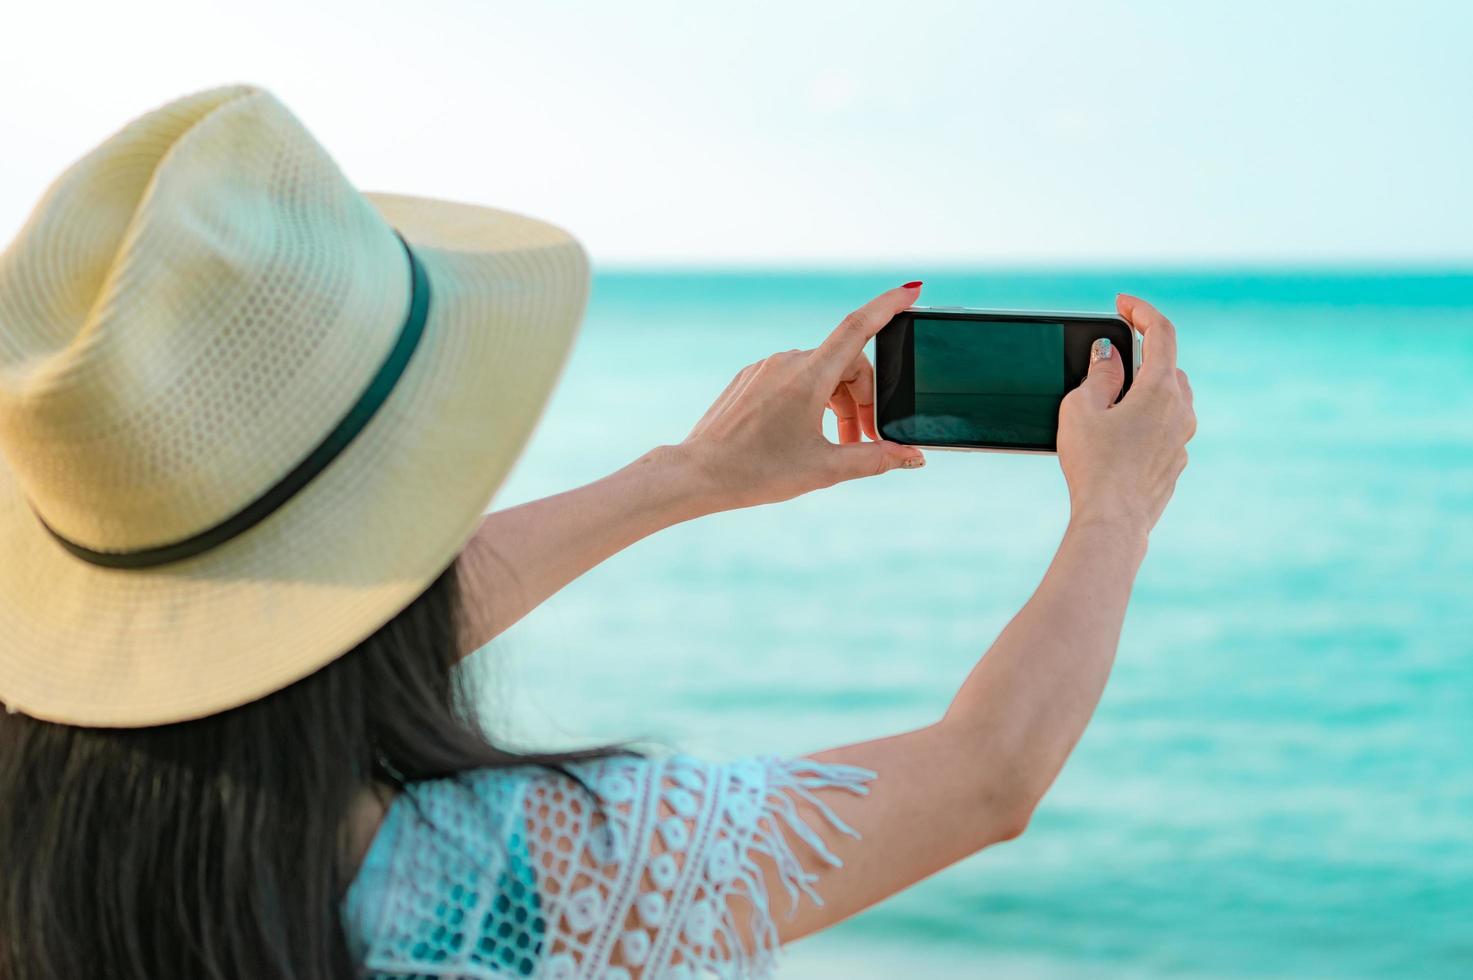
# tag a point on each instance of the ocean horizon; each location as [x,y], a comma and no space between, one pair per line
[1278,781]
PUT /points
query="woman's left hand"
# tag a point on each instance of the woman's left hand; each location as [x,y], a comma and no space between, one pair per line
[762,441]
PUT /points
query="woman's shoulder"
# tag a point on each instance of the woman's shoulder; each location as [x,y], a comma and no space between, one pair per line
[511,870]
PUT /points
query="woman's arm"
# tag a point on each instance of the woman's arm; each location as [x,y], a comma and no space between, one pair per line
[760,442]
[975,777]
[522,555]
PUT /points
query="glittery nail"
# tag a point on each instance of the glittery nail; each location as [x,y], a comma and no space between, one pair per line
[1100,350]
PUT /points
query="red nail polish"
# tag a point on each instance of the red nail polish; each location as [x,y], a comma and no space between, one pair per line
[912,285]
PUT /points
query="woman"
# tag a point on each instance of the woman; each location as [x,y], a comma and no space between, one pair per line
[250,421]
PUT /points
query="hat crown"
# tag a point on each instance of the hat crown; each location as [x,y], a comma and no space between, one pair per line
[189,310]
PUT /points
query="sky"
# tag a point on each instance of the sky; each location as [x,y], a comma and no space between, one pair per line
[811,134]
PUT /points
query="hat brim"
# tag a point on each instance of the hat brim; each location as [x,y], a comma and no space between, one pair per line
[93,646]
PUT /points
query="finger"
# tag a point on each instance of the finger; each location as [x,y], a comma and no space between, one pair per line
[860,459]
[1186,385]
[855,330]
[844,409]
[867,421]
[860,380]
[1160,348]
[1101,386]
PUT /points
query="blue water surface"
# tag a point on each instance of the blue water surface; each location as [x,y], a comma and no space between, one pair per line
[1279,781]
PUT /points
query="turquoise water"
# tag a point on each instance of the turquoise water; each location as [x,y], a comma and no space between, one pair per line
[1279,782]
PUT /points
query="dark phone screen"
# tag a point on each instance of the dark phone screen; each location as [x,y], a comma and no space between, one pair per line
[989,382]
[985,379]
[985,382]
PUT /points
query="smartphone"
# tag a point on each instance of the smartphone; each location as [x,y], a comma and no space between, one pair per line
[949,377]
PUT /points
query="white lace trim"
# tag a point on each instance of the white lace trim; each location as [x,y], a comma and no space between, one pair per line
[523,874]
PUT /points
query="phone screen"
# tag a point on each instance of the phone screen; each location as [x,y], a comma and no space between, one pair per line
[989,382]
[985,379]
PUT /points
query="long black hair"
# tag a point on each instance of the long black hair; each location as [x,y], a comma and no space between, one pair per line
[218,849]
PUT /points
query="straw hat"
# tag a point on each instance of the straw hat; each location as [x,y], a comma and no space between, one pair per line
[243,423]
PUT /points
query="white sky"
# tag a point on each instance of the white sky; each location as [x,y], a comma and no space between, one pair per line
[772,133]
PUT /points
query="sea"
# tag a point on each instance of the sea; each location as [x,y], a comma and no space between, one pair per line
[1279,780]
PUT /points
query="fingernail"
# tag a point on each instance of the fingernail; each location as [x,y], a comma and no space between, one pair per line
[1100,350]
[912,285]
[913,462]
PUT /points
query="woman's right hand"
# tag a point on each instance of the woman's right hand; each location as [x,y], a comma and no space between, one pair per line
[1122,459]
[1025,705]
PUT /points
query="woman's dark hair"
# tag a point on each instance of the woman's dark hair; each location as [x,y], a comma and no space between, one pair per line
[218,848]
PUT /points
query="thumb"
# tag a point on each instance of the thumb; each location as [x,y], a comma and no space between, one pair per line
[858,459]
[1106,375]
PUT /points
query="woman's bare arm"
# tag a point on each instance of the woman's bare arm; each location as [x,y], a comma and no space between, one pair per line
[761,441]
[974,777]
[524,554]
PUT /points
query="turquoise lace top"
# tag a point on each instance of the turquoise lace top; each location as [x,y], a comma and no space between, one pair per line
[523,873]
